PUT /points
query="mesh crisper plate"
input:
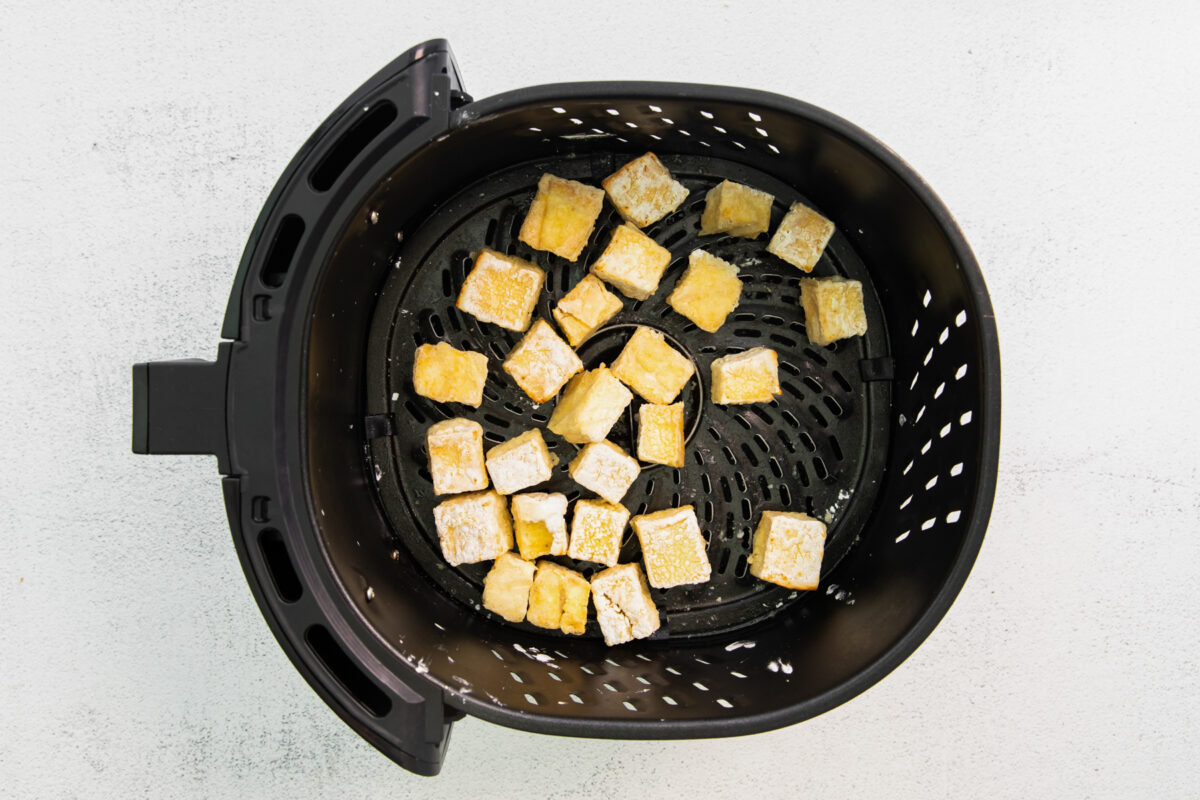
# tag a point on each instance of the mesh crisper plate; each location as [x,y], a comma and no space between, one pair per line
[819,447]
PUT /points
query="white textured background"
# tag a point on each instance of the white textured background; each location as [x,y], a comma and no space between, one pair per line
[137,145]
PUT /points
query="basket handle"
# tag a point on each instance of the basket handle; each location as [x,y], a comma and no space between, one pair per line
[179,407]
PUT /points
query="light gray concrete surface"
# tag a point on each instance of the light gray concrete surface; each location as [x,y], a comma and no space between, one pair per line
[136,148]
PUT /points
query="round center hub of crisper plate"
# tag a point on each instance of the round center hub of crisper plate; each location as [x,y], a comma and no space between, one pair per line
[819,447]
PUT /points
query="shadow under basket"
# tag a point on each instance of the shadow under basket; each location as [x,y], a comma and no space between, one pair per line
[891,438]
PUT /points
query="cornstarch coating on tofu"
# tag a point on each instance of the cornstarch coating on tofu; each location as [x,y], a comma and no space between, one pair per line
[502,290]
[473,527]
[446,375]
[643,191]
[455,448]
[561,217]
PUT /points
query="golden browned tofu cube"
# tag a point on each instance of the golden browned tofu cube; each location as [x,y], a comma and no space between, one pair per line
[672,547]
[559,599]
[651,367]
[501,289]
[644,191]
[540,520]
[589,406]
[605,469]
[624,607]
[787,549]
[446,375]
[585,308]
[473,527]
[520,462]
[801,237]
[597,528]
[708,291]
[660,434]
[737,210]
[542,362]
[561,217]
[749,377]
[506,587]
[833,309]
[632,262]
[455,448]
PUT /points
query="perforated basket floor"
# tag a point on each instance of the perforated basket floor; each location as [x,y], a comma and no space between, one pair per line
[820,447]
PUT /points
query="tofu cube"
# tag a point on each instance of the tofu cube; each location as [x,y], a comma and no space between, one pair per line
[624,607]
[660,434]
[558,599]
[501,289]
[520,462]
[455,448]
[542,362]
[446,375]
[605,469]
[737,210]
[589,406]
[540,520]
[584,309]
[473,527]
[672,547]
[597,528]
[801,237]
[787,549]
[561,218]
[708,291]
[632,262]
[749,377]
[506,587]
[833,309]
[651,367]
[643,190]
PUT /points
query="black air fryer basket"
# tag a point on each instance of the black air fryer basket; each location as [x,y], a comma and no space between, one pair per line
[357,258]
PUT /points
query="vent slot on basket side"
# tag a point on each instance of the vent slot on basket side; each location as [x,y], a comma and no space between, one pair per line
[345,672]
[279,564]
[283,250]
[351,143]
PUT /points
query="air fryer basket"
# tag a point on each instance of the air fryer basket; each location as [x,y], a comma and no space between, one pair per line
[356,259]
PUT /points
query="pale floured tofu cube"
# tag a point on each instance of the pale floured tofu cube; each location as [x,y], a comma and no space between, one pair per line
[708,291]
[737,210]
[455,448]
[506,587]
[447,375]
[660,434]
[651,367]
[501,289]
[801,237]
[597,528]
[673,548]
[584,309]
[605,469]
[633,263]
[540,521]
[624,607]
[520,462]
[748,377]
[833,309]
[589,406]
[542,363]
[558,599]
[561,217]
[473,527]
[787,549]
[643,190]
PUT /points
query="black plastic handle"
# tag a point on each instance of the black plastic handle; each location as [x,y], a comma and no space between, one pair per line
[179,407]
